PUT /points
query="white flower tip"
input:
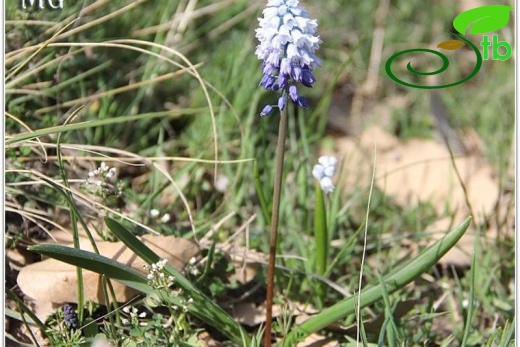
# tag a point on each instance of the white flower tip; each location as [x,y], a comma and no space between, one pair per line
[326,185]
[165,218]
[318,171]
[328,160]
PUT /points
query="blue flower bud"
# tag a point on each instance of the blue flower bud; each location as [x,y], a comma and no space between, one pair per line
[303,102]
[281,102]
[267,109]
[293,93]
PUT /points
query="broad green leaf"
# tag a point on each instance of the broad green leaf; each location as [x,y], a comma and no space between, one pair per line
[393,281]
[482,19]
[96,263]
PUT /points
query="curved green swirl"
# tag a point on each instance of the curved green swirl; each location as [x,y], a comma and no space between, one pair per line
[443,68]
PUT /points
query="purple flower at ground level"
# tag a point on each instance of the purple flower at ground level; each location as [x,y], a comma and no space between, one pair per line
[70,316]
[287,46]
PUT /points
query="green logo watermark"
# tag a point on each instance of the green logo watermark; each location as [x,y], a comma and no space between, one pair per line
[482,20]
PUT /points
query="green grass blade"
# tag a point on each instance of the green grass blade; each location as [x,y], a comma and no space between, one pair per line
[100,122]
[17,315]
[508,334]
[390,324]
[24,63]
[261,196]
[209,262]
[74,214]
[26,310]
[320,232]
[471,303]
[447,341]
[362,331]
[393,281]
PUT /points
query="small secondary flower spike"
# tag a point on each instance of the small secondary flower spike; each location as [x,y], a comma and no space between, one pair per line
[324,171]
[287,46]
[70,317]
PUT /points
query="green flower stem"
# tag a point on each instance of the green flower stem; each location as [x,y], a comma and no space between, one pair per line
[320,232]
[280,151]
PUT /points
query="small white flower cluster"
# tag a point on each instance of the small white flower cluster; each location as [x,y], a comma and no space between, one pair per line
[157,276]
[184,304]
[158,279]
[192,268]
[100,175]
[98,181]
[324,171]
[154,213]
[134,316]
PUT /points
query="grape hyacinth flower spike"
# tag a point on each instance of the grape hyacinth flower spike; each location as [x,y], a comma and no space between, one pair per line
[287,46]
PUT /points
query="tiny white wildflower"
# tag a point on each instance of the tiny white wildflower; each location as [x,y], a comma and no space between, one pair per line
[126,309]
[165,218]
[111,172]
[98,181]
[125,321]
[154,213]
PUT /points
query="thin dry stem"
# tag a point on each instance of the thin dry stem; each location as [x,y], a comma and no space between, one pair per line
[358,313]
